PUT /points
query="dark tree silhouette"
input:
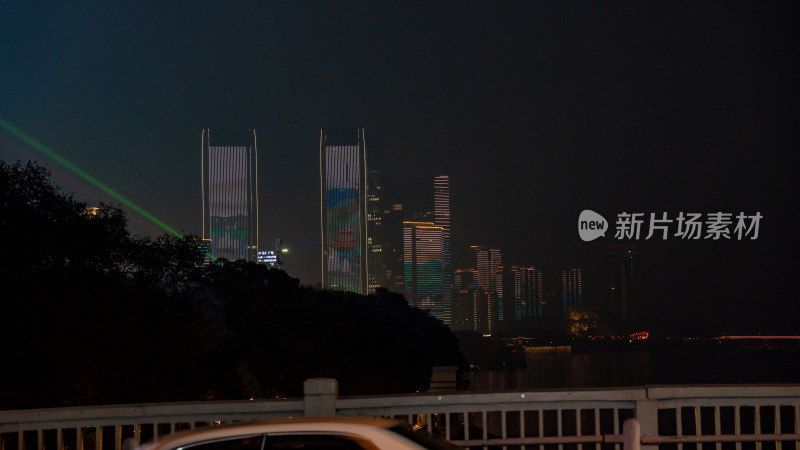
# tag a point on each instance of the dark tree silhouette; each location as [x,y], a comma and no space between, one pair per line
[87,310]
[278,334]
[92,315]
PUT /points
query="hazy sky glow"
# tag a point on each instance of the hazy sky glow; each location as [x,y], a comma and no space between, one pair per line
[537,111]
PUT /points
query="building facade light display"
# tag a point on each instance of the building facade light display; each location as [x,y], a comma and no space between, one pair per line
[528,295]
[490,268]
[441,210]
[230,198]
[423,270]
[343,212]
[571,289]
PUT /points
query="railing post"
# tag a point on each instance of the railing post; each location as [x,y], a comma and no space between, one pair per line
[647,418]
[631,435]
[320,396]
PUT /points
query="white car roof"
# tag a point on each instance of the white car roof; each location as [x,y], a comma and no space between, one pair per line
[362,428]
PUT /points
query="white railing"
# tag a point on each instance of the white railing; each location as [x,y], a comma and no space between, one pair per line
[672,417]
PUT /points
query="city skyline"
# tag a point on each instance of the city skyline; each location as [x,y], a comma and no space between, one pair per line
[426,288]
[535,111]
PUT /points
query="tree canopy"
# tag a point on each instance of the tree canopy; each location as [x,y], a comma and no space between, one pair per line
[90,314]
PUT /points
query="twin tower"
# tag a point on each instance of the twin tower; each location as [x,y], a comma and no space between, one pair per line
[229,179]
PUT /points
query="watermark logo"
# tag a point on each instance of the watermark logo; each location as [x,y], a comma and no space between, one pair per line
[685,226]
[591,225]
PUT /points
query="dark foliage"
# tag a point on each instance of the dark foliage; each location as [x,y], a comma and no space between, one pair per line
[277,334]
[93,315]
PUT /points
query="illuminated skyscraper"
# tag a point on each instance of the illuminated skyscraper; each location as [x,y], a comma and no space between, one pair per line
[422,261]
[496,272]
[441,210]
[571,289]
[528,295]
[490,267]
[474,308]
[488,286]
[230,195]
[343,210]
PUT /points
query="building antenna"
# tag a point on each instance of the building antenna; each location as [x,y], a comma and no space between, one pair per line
[249,191]
[202,181]
[255,142]
[210,212]
[366,222]
[321,200]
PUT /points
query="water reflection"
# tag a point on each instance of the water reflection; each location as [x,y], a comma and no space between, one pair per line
[668,364]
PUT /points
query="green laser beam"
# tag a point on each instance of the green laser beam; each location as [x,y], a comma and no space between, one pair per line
[24,137]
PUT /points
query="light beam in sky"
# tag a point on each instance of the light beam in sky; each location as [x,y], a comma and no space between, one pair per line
[41,148]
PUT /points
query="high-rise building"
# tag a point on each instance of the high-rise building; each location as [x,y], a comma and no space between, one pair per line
[422,261]
[496,272]
[441,209]
[621,292]
[384,235]
[474,308]
[343,210]
[489,306]
[392,249]
[528,295]
[229,173]
[490,268]
[465,309]
[465,278]
[465,300]
[571,289]
[376,266]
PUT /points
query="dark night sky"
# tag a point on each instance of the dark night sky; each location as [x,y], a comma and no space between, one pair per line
[537,110]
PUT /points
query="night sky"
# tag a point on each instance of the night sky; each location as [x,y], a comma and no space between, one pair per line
[537,111]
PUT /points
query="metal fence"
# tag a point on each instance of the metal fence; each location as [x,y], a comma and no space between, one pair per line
[749,417]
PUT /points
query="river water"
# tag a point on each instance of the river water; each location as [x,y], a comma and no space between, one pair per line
[657,364]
